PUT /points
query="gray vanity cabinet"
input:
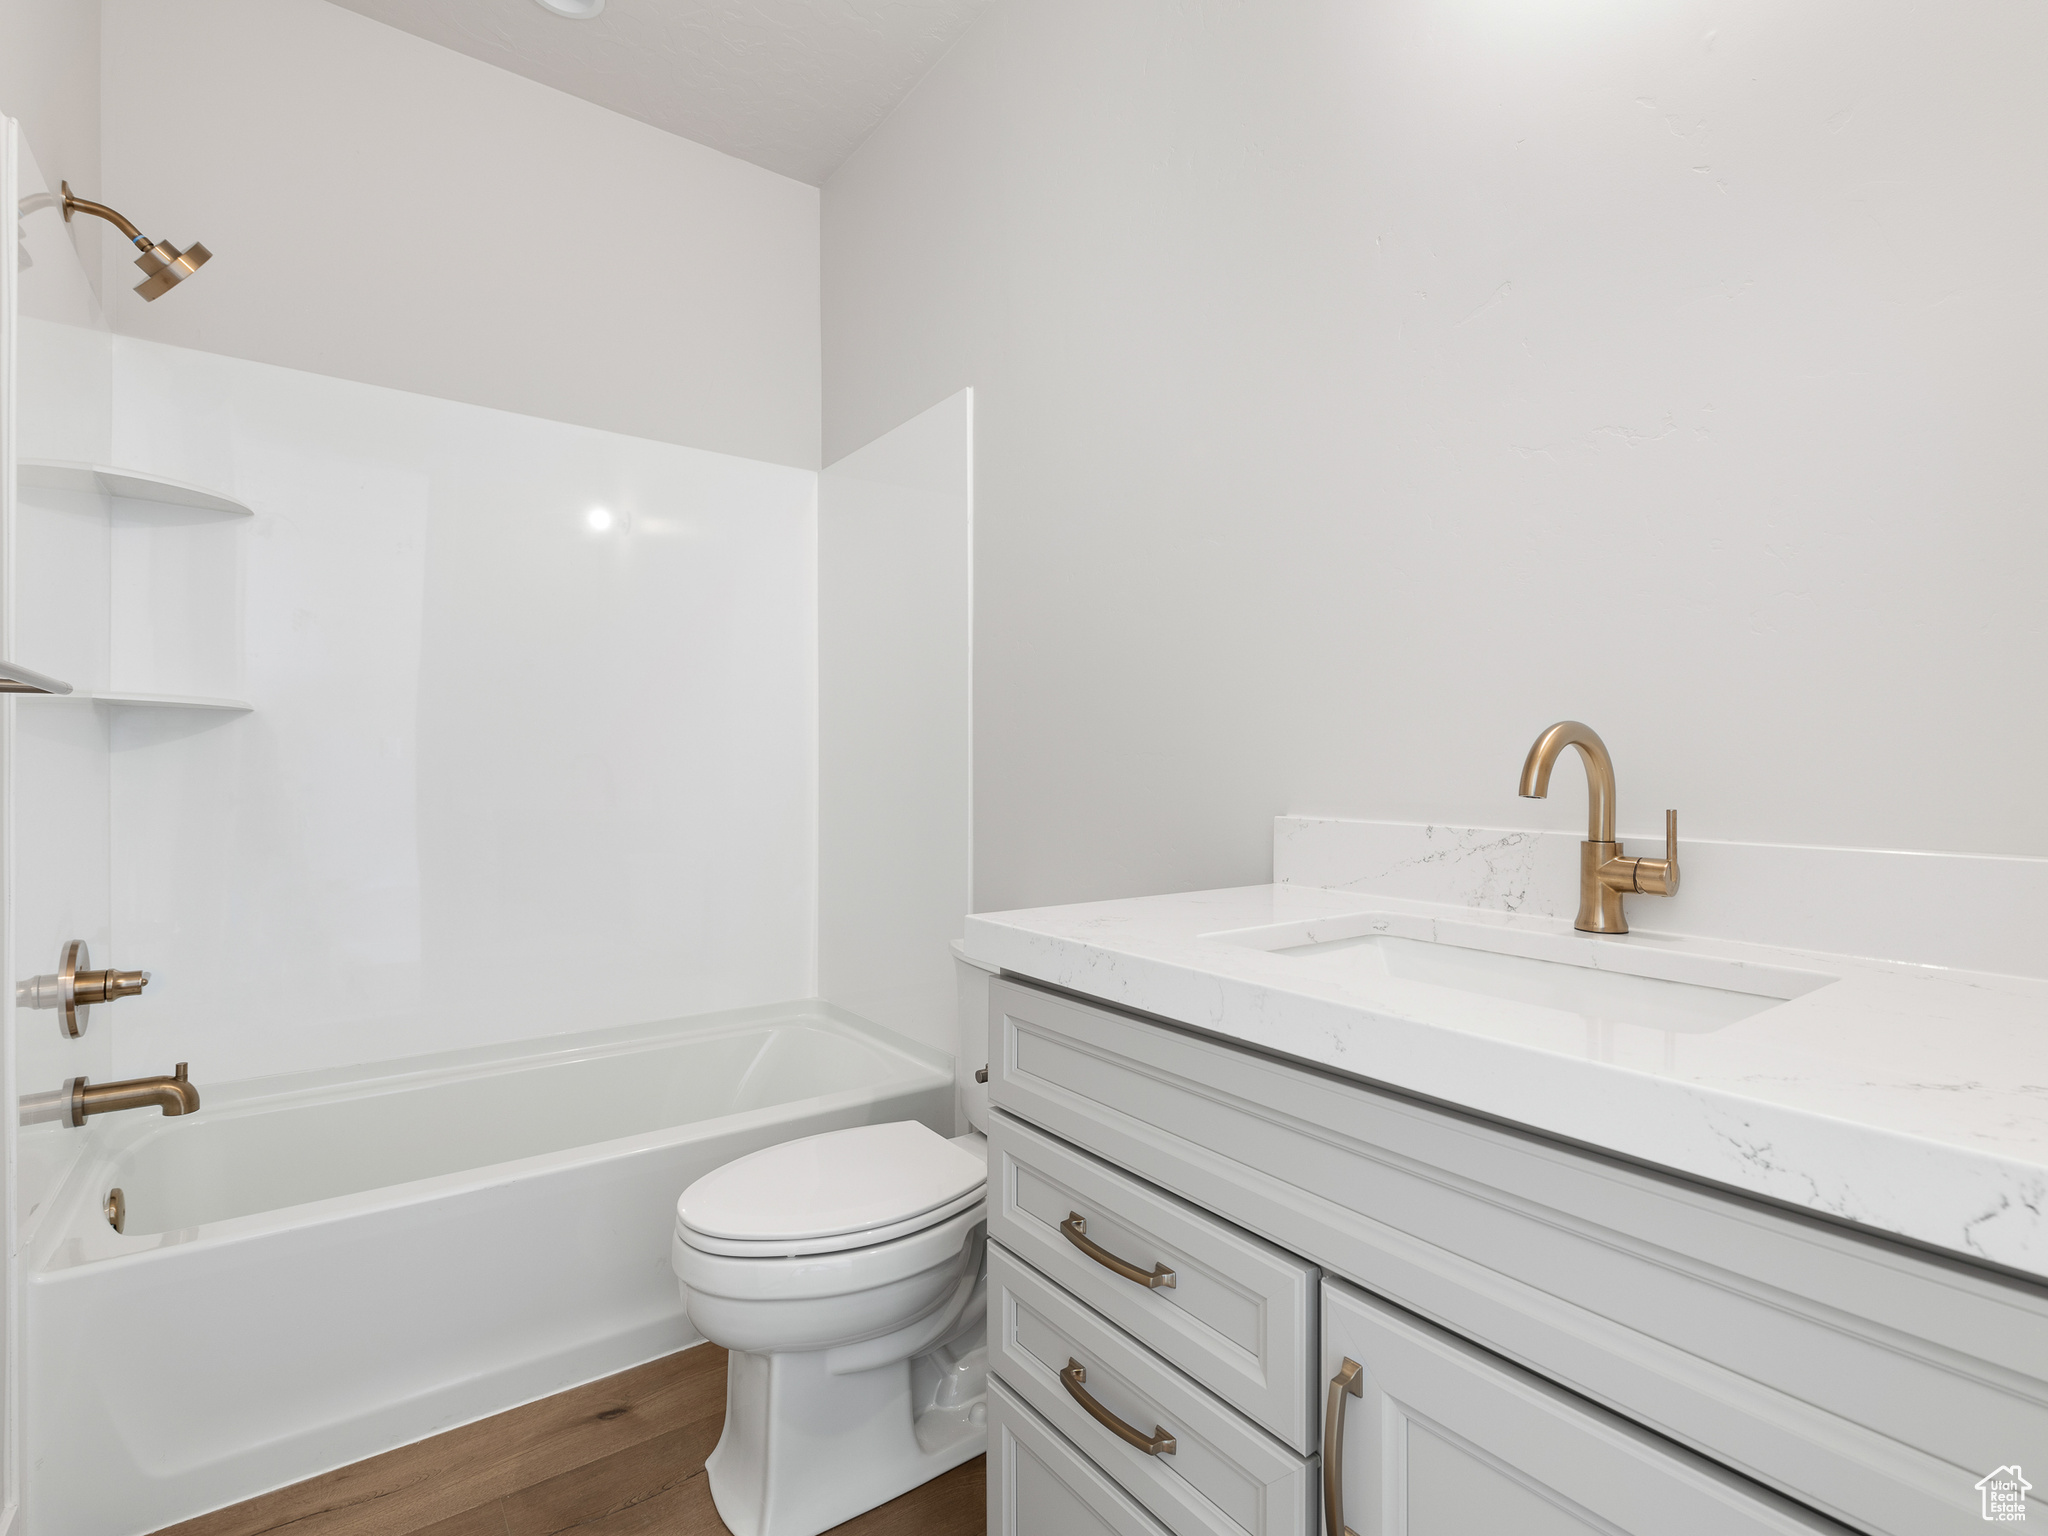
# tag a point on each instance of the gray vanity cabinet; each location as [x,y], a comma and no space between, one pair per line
[1864,1380]
[1427,1435]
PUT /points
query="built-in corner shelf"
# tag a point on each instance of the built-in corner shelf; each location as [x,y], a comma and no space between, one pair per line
[131,484]
[171,701]
[175,586]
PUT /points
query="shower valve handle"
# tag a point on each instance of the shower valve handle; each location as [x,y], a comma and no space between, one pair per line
[75,988]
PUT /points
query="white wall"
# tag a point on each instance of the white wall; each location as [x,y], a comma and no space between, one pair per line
[387,210]
[895,727]
[506,776]
[1361,388]
[50,84]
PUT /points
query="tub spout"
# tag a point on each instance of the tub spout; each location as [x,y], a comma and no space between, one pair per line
[174,1095]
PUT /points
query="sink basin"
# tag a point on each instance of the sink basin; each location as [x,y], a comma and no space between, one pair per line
[1599,980]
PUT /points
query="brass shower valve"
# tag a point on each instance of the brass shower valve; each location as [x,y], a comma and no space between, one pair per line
[74,988]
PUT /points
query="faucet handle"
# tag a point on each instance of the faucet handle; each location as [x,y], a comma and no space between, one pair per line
[1659,877]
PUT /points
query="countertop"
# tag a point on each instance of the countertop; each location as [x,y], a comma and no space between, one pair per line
[1908,1099]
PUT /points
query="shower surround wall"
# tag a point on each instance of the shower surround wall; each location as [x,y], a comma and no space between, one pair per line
[508,773]
[896,722]
[55,402]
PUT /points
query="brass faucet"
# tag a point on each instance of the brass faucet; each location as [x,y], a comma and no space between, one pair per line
[1605,874]
[175,1095]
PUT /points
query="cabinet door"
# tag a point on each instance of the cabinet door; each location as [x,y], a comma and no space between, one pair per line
[1039,1485]
[1428,1435]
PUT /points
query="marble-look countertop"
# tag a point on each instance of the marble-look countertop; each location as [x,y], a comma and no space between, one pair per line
[1909,1099]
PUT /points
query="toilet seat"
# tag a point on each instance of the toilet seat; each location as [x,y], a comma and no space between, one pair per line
[831,1193]
[848,1273]
[841,1243]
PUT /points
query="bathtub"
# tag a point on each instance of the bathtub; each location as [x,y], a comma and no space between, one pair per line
[316,1269]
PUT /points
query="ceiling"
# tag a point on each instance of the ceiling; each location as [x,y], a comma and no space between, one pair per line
[793,85]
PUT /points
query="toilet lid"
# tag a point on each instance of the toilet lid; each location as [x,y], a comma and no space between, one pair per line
[839,1184]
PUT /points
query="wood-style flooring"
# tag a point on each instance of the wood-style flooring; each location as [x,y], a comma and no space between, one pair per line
[617,1457]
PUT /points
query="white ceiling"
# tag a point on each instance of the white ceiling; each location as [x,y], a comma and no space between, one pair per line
[793,85]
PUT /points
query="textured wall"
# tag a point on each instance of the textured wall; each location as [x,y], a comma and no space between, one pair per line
[1361,388]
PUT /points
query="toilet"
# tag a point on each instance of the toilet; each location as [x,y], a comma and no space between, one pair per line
[845,1273]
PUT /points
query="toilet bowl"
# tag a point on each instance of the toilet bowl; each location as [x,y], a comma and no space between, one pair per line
[845,1275]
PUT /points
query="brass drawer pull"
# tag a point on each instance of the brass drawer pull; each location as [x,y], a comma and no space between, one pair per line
[1075,1230]
[1158,1443]
[1346,1383]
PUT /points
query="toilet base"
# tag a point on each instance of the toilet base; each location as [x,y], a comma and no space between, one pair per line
[804,1450]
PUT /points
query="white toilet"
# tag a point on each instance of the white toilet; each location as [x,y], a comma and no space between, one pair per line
[845,1273]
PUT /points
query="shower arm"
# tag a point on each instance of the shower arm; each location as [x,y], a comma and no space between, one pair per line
[75,204]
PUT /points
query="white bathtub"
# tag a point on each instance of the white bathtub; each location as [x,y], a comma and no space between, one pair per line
[320,1268]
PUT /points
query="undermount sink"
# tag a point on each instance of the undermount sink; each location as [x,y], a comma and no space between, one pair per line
[1596,979]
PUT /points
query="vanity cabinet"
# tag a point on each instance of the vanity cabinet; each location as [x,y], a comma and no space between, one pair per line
[1427,1435]
[1767,1370]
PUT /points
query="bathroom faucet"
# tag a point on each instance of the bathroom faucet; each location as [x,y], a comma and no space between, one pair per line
[175,1095]
[1605,874]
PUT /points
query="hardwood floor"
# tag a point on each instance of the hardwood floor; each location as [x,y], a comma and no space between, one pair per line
[617,1457]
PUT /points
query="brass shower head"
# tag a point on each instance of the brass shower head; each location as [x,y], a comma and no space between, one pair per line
[163,265]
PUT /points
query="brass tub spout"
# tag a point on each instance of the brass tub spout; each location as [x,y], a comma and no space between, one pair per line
[175,1095]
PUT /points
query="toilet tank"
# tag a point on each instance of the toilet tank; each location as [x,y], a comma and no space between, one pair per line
[970,1051]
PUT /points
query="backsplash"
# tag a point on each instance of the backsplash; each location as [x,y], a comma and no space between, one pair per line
[1968,911]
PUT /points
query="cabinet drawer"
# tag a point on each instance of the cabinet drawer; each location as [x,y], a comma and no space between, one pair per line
[1867,1379]
[1439,1438]
[1240,1314]
[1039,1485]
[1223,1476]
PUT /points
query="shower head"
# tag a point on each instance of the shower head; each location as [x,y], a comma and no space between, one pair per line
[163,265]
